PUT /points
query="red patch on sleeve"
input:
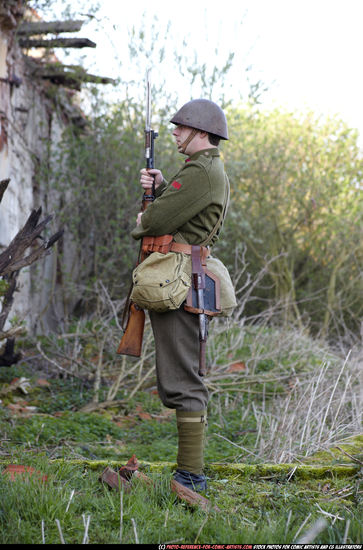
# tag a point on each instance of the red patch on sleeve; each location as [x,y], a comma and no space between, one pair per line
[176,185]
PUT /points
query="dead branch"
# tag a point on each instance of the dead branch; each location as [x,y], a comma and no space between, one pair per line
[12,259]
[355,459]
[12,333]
[91,407]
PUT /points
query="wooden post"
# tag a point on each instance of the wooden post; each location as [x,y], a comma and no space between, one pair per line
[43,27]
[56,43]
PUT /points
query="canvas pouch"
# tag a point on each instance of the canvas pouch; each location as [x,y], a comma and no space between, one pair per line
[161,282]
[227,294]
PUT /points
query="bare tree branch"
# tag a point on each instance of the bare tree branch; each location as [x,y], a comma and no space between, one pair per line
[15,257]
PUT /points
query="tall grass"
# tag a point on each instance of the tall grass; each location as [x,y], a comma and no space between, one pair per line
[303,396]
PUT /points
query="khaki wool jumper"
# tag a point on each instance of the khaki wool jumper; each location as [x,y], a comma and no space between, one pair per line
[191,203]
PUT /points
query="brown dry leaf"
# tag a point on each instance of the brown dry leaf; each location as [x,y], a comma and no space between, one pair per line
[18,469]
[125,421]
[129,468]
[21,408]
[238,366]
[43,382]
[292,383]
[142,414]
[166,415]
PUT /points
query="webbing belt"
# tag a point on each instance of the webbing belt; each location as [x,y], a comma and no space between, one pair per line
[164,244]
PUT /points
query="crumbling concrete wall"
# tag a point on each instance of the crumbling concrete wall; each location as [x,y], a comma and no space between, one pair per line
[29,127]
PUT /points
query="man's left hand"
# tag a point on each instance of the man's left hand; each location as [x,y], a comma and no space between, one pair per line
[138,219]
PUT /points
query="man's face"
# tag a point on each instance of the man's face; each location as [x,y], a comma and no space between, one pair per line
[181,133]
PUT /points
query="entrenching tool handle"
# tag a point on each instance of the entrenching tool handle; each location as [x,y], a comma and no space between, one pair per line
[131,342]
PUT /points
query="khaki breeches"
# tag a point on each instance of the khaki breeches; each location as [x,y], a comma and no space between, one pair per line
[176,335]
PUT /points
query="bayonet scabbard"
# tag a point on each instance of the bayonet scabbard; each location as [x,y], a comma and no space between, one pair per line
[198,278]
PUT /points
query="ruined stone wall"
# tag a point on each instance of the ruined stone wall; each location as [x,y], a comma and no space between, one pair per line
[29,124]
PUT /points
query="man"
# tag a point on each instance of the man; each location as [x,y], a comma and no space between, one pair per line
[190,208]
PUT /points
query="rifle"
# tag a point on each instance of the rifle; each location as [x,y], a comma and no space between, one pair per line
[133,320]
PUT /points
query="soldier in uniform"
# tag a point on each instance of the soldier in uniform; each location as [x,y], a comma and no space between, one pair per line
[188,207]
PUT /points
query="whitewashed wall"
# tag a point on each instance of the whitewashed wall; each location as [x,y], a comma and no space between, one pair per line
[29,123]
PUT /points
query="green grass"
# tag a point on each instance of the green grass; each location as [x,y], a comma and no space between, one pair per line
[251,510]
[258,504]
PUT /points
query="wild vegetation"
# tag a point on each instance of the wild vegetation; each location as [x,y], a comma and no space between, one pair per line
[281,461]
[284,372]
[295,213]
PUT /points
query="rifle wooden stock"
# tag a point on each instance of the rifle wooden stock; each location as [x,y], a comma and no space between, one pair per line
[131,342]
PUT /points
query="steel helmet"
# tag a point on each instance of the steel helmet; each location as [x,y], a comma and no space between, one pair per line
[204,115]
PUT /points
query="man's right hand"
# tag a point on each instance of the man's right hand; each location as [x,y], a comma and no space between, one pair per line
[147,180]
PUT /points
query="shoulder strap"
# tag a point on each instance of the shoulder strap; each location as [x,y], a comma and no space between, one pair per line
[221,217]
